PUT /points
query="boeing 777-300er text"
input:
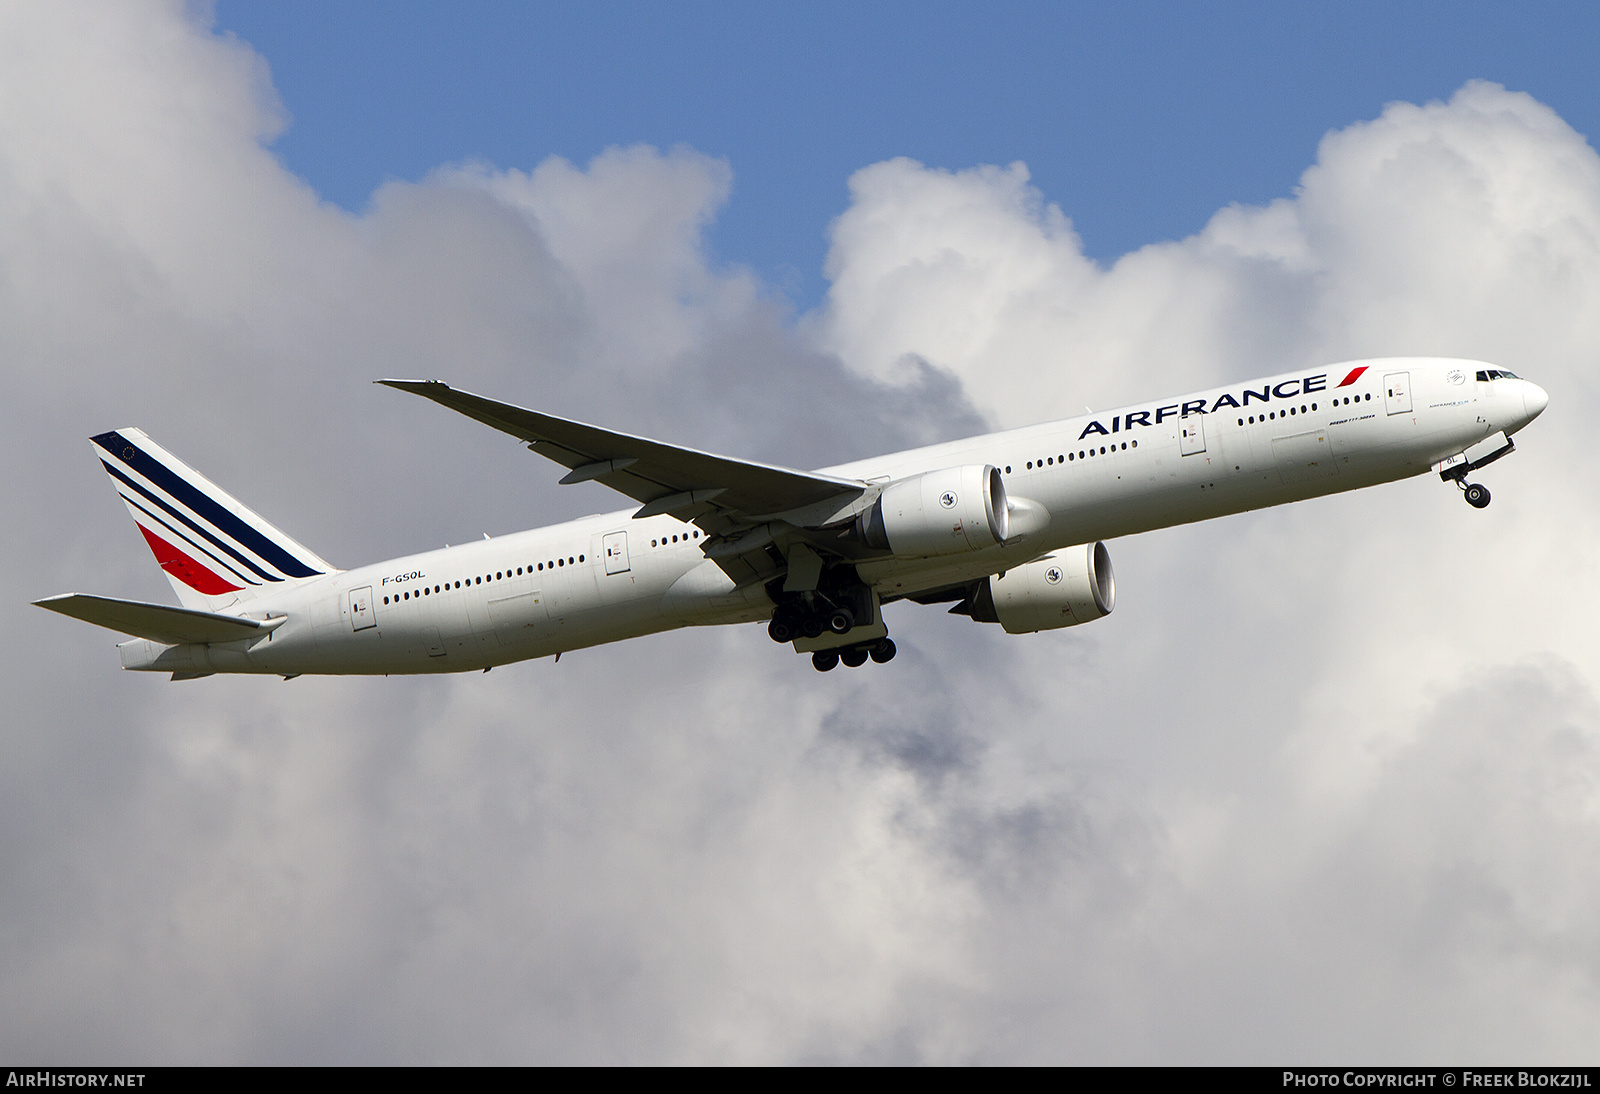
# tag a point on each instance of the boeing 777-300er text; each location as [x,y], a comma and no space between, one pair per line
[1006,527]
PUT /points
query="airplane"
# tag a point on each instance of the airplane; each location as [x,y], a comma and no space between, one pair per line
[1007,528]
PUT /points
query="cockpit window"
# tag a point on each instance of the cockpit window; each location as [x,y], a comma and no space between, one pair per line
[1496,374]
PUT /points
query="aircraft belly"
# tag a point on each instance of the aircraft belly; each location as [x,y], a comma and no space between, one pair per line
[704,595]
[460,628]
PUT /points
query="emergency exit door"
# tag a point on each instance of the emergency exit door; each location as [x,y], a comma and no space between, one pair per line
[1192,434]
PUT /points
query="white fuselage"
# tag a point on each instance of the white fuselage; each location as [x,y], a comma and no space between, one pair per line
[604,578]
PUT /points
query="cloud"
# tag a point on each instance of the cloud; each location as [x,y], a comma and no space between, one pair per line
[1323,787]
[1488,201]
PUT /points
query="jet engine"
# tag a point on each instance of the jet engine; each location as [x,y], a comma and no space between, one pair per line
[1062,589]
[942,512]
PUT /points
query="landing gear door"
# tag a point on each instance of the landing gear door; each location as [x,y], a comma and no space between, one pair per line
[1397,392]
[359,606]
[1192,434]
[615,547]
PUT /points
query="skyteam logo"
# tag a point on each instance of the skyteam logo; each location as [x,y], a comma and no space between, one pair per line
[201,536]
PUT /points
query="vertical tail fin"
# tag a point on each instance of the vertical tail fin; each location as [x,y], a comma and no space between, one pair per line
[213,549]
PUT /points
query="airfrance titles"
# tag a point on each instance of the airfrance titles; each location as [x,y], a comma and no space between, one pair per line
[1286,389]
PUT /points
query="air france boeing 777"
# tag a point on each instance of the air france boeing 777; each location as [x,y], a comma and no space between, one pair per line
[1006,527]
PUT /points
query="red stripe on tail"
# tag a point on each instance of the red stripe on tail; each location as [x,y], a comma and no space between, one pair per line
[193,574]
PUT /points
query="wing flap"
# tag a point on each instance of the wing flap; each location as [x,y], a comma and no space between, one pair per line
[157,622]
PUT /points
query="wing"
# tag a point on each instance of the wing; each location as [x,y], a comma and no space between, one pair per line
[742,504]
[157,622]
[665,478]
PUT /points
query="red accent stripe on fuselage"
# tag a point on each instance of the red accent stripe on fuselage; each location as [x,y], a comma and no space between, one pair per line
[193,574]
[1355,374]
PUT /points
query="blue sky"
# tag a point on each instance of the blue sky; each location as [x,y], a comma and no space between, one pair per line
[1139,120]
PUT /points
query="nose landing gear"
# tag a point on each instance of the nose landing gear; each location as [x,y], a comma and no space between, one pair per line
[1475,493]
[1479,455]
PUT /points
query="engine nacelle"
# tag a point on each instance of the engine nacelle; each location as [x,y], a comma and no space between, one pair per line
[1062,589]
[943,512]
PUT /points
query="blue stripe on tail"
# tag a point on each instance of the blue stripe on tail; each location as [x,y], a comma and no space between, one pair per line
[227,548]
[203,504]
[184,537]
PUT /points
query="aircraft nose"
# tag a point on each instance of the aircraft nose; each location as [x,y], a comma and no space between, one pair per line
[1534,399]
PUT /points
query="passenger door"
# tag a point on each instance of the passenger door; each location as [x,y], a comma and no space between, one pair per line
[1397,392]
[615,547]
[358,603]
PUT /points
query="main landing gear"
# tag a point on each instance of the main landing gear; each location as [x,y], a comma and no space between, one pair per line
[819,615]
[835,620]
[880,650]
[797,619]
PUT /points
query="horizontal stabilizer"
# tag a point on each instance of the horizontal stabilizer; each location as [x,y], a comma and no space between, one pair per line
[157,622]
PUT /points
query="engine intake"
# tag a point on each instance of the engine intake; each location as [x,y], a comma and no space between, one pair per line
[1063,589]
[943,512]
